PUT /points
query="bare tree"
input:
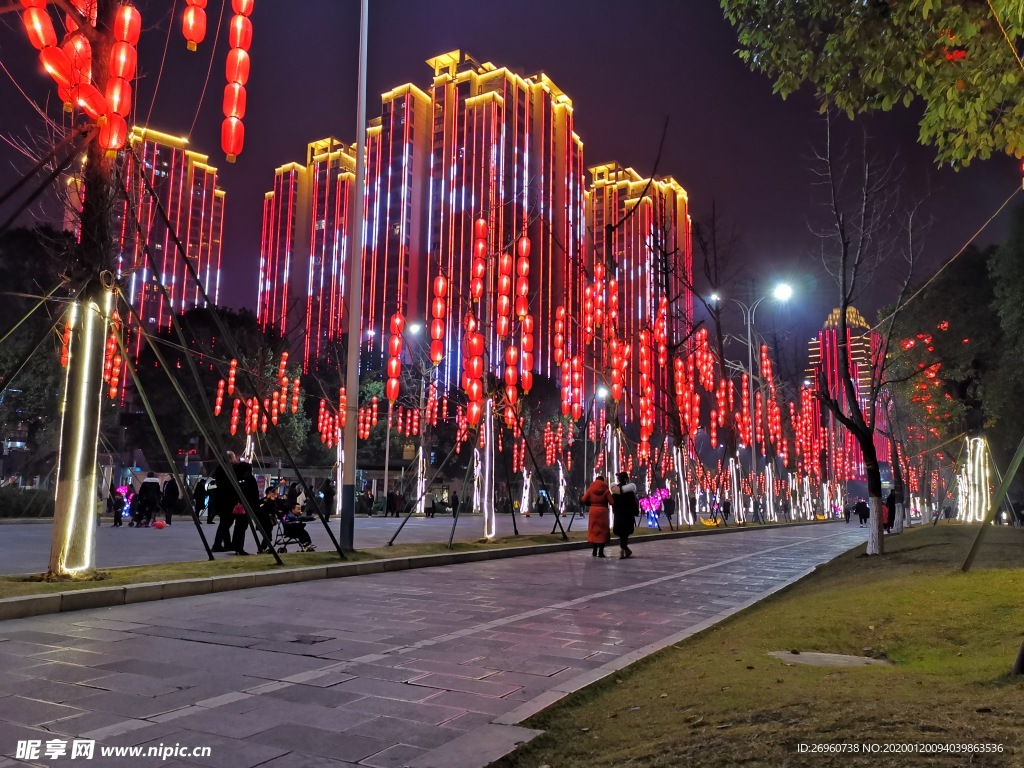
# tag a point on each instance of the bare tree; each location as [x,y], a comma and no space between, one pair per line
[866,230]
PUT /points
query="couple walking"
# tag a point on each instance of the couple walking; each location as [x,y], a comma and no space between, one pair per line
[625,507]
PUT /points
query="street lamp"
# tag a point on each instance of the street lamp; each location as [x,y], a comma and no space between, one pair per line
[782,292]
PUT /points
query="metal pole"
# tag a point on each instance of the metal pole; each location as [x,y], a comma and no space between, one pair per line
[355,301]
[387,454]
[753,413]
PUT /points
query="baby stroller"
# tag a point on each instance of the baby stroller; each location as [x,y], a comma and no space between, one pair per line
[291,531]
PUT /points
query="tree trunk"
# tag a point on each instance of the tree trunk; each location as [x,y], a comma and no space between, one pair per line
[72,547]
[876,545]
[898,486]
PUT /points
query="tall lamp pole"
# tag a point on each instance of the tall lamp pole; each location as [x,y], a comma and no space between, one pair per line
[354,285]
[782,293]
[602,393]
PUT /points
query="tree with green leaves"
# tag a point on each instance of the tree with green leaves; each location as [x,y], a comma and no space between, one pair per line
[958,58]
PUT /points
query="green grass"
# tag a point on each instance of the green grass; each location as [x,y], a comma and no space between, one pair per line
[718,699]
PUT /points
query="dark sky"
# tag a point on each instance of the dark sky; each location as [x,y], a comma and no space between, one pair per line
[626,66]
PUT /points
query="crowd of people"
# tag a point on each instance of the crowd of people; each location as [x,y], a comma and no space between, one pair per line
[278,517]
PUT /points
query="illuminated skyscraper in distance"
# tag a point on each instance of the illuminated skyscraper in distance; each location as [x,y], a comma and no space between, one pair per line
[186,186]
[504,149]
[649,256]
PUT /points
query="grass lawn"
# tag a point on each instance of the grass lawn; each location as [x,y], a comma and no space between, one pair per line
[719,699]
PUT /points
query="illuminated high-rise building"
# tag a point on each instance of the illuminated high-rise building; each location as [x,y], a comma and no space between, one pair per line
[824,370]
[186,190]
[641,227]
[285,213]
[504,150]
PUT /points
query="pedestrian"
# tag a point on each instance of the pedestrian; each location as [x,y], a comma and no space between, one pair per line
[225,499]
[890,510]
[292,497]
[863,512]
[199,497]
[625,508]
[668,506]
[327,489]
[848,510]
[115,503]
[251,494]
[170,498]
[149,500]
[267,515]
[428,504]
[726,509]
[598,497]
[455,504]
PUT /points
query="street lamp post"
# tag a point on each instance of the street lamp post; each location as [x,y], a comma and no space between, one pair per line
[782,293]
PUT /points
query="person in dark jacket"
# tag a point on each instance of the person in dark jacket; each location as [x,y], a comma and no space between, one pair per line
[625,509]
[863,511]
[890,511]
[170,499]
[149,500]
[267,514]
[598,497]
[327,489]
[225,497]
[199,496]
[251,493]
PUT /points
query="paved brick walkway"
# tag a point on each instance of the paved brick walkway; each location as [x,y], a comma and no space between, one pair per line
[428,668]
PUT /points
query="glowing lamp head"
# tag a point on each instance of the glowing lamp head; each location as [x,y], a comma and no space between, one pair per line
[415,328]
[715,298]
[602,392]
[783,292]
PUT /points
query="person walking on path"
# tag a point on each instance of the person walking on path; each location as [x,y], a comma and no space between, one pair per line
[223,503]
[863,511]
[327,489]
[599,497]
[625,509]
[267,515]
[455,504]
[251,492]
[199,497]
[171,497]
[428,504]
[149,500]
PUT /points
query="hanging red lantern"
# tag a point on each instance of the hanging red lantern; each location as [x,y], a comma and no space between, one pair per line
[505,264]
[476,344]
[522,286]
[33,3]
[243,7]
[80,55]
[193,25]
[395,346]
[436,351]
[511,375]
[234,100]
[113,133]
[232,137]
[523,247]
[523,267]
[57,65]
[480,229]
[397,324]
[522,306]
[240,33]
[237,66]
[127,25]
[119,96]
[502,326]
[123,60]
[89,99]
[394,367]
[392,388]
[437,328]
[39,28]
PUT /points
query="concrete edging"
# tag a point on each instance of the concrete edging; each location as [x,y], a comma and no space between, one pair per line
[107,597]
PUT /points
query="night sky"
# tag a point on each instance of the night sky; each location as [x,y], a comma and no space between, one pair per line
[626,66]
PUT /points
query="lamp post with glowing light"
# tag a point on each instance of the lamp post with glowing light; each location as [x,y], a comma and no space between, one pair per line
[782,292]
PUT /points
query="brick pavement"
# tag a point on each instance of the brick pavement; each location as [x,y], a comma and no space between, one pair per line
[428,669]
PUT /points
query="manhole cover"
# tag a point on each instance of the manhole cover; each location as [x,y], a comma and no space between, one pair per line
[310,639]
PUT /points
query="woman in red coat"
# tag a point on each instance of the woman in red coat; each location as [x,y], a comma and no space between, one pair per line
[599,497]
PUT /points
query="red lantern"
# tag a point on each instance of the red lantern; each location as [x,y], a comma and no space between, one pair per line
[127,25]
[436,351]
[113,133]
[232,137]
[397,324]
[522,306]
[473,411]
[502,325]
[440,286]
[474,367]
[392,389]
[527,381]
[504,285]
[123,60]
[39,28]
[394,367]
[523,267]
[523,247]
[395,346]
[119,96]
[237,66]
[57,65]
[480,229]
[80,55]
[437,328]
[511,375]
[243,7]
[512,394]
[33,3]
[527,360]
[193,26]
[240,33]
[522,286]
[503,305]
[511,356]
[89,100]
[234,100]
[475,344]
[505,264]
